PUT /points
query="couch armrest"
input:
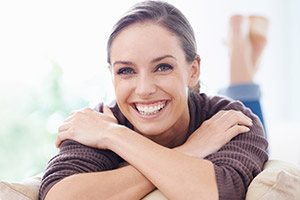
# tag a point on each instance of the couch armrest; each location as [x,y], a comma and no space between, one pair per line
[279,180]
[25,190]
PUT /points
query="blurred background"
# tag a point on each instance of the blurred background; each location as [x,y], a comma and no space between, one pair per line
[53,61]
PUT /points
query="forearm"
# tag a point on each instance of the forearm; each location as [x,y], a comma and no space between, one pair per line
[176,175]
[121,183]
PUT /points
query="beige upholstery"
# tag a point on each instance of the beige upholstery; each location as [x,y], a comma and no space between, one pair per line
[25,190]
[279,180]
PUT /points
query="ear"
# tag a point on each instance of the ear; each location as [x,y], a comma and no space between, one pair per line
[195,72]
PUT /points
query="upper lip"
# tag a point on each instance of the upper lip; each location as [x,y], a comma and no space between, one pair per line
[149,102]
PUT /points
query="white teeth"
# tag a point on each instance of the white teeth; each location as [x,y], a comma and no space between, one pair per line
[150,109]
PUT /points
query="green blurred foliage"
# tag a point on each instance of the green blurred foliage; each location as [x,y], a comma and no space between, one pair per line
[29,118]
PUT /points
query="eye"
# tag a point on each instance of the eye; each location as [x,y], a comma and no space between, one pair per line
[125,71]
[163,67]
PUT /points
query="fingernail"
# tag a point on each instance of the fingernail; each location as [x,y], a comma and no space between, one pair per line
[250,123]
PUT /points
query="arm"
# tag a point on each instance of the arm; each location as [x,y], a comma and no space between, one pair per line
[235,164]
[139,142]
[208,138]
[170,171]
[76,162]
[122,183]
[194,161]
[74,158]
[239,161]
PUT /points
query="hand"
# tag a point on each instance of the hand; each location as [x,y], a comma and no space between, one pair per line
[215,133]
[87,127]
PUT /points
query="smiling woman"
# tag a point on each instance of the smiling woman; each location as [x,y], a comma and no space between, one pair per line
[155,62]
[184,143]
[33,102]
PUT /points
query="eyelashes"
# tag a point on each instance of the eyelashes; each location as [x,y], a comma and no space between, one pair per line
[125,71]
[163,67]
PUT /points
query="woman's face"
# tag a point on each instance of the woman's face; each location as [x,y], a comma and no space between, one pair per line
[151,77]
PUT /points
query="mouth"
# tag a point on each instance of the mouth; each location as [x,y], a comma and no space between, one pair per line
[150,109]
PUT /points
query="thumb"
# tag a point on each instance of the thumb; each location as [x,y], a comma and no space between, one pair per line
[107,111]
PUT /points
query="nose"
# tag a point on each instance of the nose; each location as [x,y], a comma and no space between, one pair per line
[145,86]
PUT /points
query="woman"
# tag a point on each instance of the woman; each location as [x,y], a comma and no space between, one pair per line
[186,144]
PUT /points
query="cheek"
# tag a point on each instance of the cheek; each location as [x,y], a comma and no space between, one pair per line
[175,82]
[122,89]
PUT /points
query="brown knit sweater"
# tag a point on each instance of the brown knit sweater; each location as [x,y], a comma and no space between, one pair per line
[236,163]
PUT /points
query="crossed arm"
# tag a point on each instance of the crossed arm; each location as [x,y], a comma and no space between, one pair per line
[179,173]
[167,169]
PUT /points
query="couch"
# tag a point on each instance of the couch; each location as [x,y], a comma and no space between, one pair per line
[279,180]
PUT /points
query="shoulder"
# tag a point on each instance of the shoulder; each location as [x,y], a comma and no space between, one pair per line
[214,103]
[202,107]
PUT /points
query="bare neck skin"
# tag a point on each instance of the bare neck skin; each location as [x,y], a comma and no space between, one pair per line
[174,136]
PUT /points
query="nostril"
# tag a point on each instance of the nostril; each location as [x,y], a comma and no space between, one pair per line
[145,88]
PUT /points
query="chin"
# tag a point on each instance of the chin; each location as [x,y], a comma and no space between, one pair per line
[150,131]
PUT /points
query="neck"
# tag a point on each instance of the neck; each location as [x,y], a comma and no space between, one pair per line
[176,135]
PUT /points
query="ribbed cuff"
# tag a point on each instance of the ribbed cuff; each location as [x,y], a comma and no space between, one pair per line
[243,92]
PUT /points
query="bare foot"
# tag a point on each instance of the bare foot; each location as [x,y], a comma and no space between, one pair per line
[238,27]
[240,51]
[258,37]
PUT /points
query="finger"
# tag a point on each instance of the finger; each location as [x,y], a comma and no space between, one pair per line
[107,111]
[241,118]
[240,114]
[248,119]
[61,136]
[86,110]
[78,111]
[236,130]
[218,115]
[232,117]
[65,126]
[216,121]
[69,118]
[224,120]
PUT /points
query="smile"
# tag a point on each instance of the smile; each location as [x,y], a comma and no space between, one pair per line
[148,109]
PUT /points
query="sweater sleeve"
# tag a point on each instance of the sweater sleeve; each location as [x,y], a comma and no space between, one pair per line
[74,158]
[239,161]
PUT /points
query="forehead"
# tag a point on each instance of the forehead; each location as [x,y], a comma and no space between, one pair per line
[146,40]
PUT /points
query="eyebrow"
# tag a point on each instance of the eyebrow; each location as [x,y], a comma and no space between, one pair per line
[152,61]
[162,57]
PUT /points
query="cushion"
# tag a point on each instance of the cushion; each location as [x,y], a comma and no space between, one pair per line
[279,180]
[26,190]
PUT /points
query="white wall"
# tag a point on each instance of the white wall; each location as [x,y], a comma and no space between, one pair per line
[279,69]
[74,34]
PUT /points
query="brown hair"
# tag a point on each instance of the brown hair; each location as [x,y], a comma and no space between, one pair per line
[163,14]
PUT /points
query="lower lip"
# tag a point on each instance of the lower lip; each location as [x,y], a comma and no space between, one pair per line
[153,116]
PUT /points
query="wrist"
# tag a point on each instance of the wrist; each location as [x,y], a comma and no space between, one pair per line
[112,138]
[184,148]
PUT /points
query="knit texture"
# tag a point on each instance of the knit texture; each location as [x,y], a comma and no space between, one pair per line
[235,164]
